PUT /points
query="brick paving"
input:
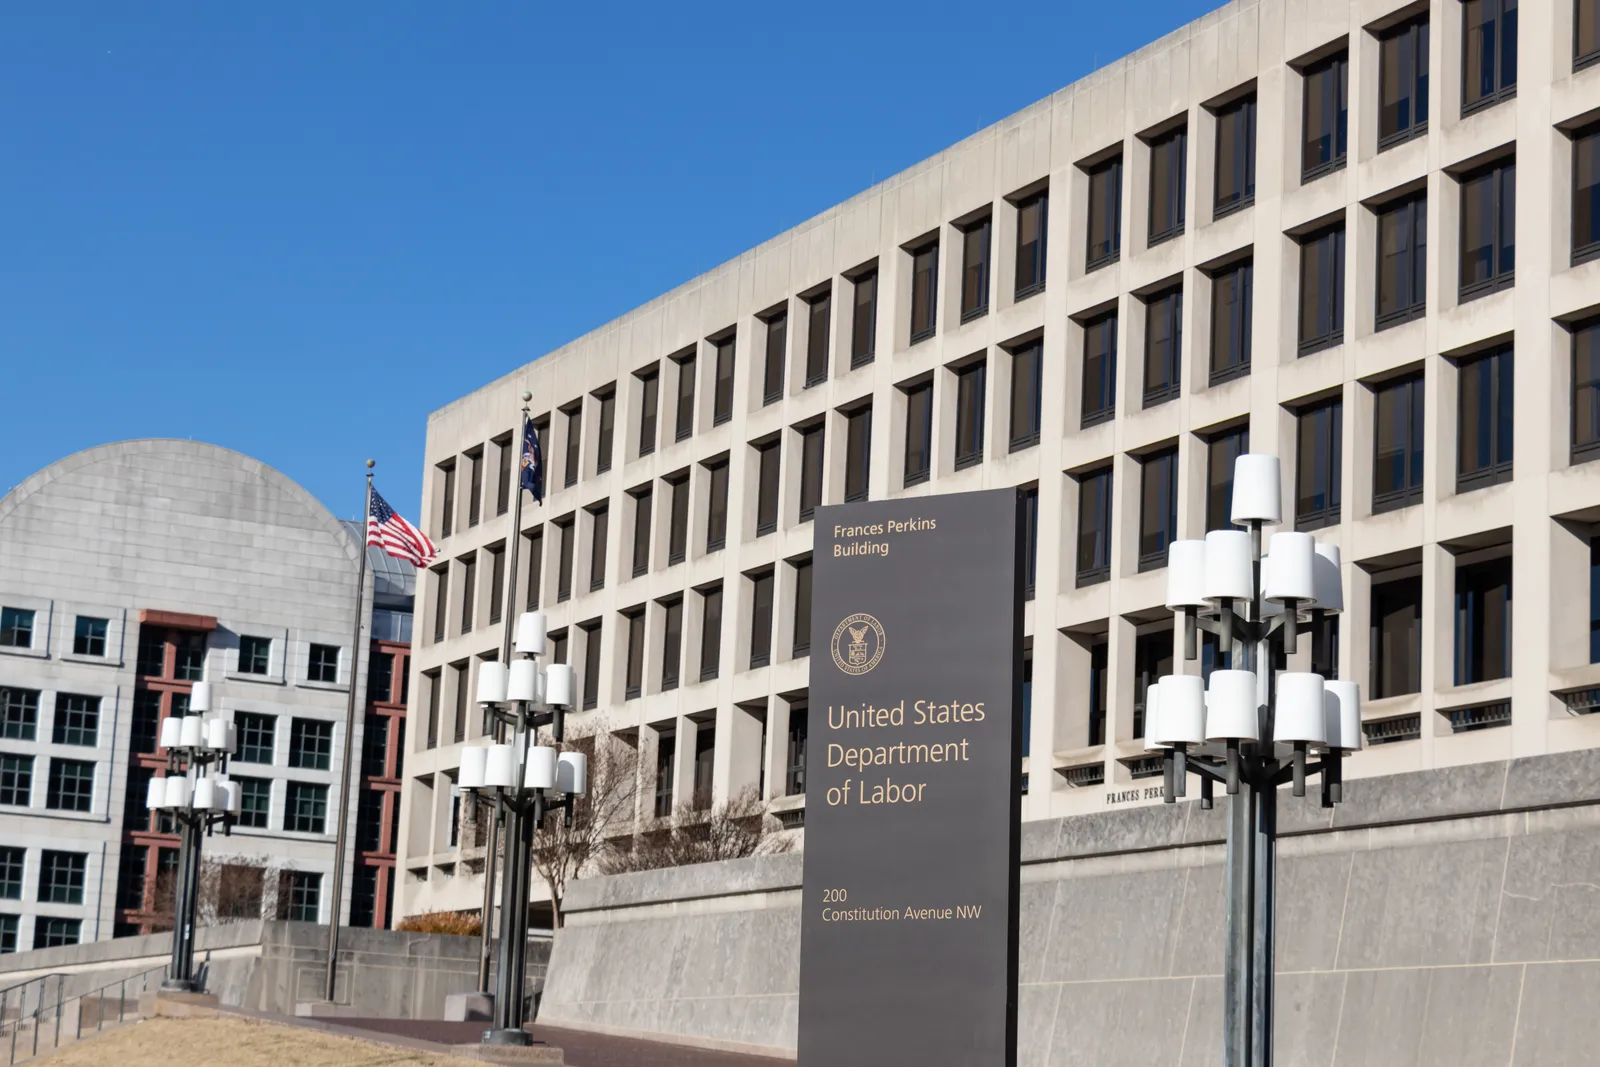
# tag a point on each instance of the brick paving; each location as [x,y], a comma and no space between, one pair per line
[580,1048]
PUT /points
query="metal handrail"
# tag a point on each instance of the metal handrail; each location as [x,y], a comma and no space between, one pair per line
[39,1017]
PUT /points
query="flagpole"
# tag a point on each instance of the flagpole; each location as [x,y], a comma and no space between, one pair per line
[508,617]
[349,737]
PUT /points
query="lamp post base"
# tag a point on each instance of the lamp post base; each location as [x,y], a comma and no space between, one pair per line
[178,985]
[512,1038]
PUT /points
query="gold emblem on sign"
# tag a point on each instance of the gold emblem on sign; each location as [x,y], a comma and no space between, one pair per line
[858,644]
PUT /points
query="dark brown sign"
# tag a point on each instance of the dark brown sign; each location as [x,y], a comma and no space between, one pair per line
[908,942]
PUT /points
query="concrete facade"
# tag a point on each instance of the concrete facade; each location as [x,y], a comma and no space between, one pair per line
[179,550]
[1437,917]
[1084,636]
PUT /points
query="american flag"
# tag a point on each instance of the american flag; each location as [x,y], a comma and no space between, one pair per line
[396,536]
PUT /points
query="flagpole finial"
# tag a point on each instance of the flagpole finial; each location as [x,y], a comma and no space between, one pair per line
[371,463]
[526,396]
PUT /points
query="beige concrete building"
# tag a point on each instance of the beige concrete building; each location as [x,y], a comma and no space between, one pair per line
[1296,221]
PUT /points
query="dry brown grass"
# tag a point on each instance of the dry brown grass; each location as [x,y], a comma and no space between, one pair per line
[237,1043]
[462,924]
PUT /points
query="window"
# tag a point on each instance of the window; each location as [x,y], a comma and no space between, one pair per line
[257,735]
[1094,527]
[722,388]
[1158,507]
[469,589]
[767,489]
[310,744]
[19,714]
[565,528]
[772,374]
[16,780]
[535,556]
[475,487]
[924,291]
[642,504]
[134,814]
[1488,229]
[504,453]
[1105,213]
[1099,370]
[50,931]
[600,521]
[975,269]
[11,860]
[1325,646]
[761,619]
[1322,290]
[441,601]
[1586,33]
[1168,173]
[634,682]
[864,319]
[810,470]
[255,655]
[802,609]
[710,633]
[1586,391]
[685,413]
[1484,422]
[1586,195]
[364,897]
[574,458]
[369,821]
[919,433]
[303,897]
[1221,452]
[591,666]
[16,628]
[1236,157]
[1030,541]
[1032,217]
[131,875]
[8,934]
[1397,448]
[666,756]
[255,801]
[146,720]
[717,506]
[970,381]
[447,503]
[678,528]
[1163,347]
[857,454]
[325,661]
[71,786]
[820,312]
[1027,370]
[1402,261]
[1594,600]
[1232,304]
[1319,442]
[1152,660]
[1326,117]
[649,399]
[459,672]
[1396,638]
[375,746]
[77,720]
[89,637]
[1483,621]
[1403,83]
[1488,53]
[671,643]
[433,681]
[794,779]
[306,810]
[1099,677]
[497,583]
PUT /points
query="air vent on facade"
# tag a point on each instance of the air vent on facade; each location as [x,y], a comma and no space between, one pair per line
[1084,774]
[1388,731]
[1481,717]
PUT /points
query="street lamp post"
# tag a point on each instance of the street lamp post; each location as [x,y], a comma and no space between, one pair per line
[529,781]
[198,794]
[1255,725]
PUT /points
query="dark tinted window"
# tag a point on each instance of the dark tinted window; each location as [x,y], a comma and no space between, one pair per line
[1221,452]
[1319,440]
[634,682]
[1032,217]
[1163,346]
[1168,172]
[820,311]
[767,489]
[649,398]
[975,269]
[1586,32]
[678,532]
[1483,621]
[574,445]
[761,619]
[1586,391]
[671,643]
[802,609]
[1586,196]
[685,412]
[1322,290]
[1105,213]
[1027,368]
[19,712]
[591,666]
[1236,156]
[811,441]
[1397,447]
[717,507]
[1326,116]
[1030,543]
[1488,229]
[1099,369]
[1158,507]
[722,399]
[642,506]
[970,382]
[1232,304]
[1488,52]
[858,454]
[608,426]
[864,319]
[710,633]
[1396,648]
[919,433]
[1403,83]
[1152,660]
[597,548]
[772,368]
[1484,450]
[566,530]
[1094,527]
[924,292]
[1402,261]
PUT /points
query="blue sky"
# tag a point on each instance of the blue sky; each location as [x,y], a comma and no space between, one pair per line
[296,229]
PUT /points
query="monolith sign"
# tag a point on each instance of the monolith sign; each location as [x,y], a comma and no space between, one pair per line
[913,784]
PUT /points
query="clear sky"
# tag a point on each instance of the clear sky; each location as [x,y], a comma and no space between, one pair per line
[294,229]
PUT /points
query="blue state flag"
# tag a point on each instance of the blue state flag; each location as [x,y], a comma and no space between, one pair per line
[532,462]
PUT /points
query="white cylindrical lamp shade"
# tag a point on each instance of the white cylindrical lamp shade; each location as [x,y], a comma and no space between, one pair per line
[1328,578]
[558,684]
[1153,727]
[1231,713]
[233,739]
[171,732]
[500,767]
[192,732]
[1183,710]
[530,633]
[217,734]
[474,765]
[572,773]
[200,698]
[235,798]
[1299,714]
[1342,722]
[155,793]
[177,791]
[1257,489]
[541,771]
[524,680]
[1226,565]
[1186,574]
[492,678]
[205,795]
[1292,575]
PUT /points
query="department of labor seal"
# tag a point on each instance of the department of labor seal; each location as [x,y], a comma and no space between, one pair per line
[858,644]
